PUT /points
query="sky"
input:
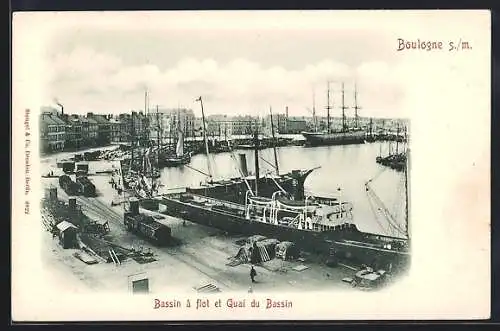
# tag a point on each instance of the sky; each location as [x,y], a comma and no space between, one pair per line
[106,68]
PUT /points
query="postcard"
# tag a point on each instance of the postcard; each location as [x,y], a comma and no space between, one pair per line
[250,165]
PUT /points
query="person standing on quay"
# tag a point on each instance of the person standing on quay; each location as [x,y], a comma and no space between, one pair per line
[253,273]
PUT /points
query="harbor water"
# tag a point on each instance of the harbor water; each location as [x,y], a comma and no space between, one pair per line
[347,168]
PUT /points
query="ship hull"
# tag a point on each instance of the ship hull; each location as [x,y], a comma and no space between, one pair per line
[334,138]
[176,161]
[346,242]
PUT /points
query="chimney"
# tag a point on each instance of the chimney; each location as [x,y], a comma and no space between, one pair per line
[243,165]
[72,203]
[134,206]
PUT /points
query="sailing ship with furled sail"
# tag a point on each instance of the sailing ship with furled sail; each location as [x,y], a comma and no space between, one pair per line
[180,157]
[346,135]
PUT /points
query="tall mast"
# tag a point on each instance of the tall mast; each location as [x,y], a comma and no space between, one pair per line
[170,131]
[356,107]
[314,111]
[397,138]
[343,109]
[146,102]
[328,107]
[205,137]
[274,144]
[406,193]
[256,146]
[158,135]
[132,134]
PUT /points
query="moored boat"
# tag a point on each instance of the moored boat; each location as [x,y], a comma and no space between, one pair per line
[344,136]
[179,158]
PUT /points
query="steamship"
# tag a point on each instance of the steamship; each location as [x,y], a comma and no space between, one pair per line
[316,224]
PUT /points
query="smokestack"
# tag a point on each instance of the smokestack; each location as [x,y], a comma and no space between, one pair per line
[243,165]
[256,145]
[72,203]
[60,105]
[134,206]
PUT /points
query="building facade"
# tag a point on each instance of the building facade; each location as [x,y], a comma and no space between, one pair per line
[52,132]
[165,124]
[74,131]
[89,131]
[103,136]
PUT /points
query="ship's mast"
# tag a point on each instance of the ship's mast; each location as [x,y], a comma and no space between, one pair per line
[397,138]
[356,107]
[343,110]
[274,144]
[132,129]
[406,193]
[328,107]
[158,135]
[256,145]
[146,102]
[205,138]
[314,111]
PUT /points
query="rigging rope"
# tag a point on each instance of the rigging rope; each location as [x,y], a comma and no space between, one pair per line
[390,218]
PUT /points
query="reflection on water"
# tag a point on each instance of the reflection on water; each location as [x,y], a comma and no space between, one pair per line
[345,167]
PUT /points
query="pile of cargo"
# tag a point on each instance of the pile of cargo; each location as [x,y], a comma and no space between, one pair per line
[257,248]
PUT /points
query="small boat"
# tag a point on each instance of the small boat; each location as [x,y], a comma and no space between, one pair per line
[180,158]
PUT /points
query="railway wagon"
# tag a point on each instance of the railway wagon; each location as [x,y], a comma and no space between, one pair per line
[68,185]
[87,188]
[82,168]
[68,167]
[146,227]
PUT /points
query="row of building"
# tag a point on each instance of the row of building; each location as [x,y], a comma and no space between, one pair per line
[60,131]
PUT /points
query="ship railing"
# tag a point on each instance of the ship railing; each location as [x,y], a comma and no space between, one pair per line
[295,222]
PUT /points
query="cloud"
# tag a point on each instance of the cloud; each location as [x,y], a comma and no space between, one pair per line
[85,79]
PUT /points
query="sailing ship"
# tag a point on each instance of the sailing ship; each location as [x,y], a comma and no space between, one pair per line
[315,223]
[396,159]
[346,135]
[180,157]
[138,171]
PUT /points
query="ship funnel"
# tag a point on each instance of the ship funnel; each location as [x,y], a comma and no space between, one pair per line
[134,206]
[72,203]
[243,165]
[299,178]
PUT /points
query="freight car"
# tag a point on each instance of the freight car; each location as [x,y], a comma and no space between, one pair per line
[146,226]
[82,168]
[68,185]
[68,167]
[86,187]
